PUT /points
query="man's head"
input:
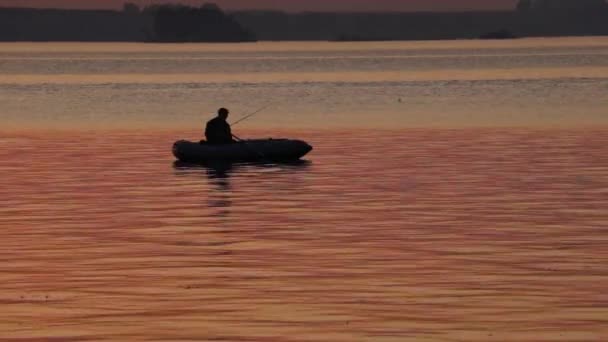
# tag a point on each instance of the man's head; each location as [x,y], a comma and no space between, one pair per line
[223,113]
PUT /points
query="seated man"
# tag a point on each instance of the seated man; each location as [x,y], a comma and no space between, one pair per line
[218,130]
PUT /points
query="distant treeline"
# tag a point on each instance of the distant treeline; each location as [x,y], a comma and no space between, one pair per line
[189,24]
[531,18]
[208,23]
[157,23]
[20,24]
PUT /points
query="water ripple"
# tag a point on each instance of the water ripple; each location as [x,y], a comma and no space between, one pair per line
[470,234]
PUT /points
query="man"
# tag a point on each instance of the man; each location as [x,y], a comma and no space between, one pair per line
[218,130]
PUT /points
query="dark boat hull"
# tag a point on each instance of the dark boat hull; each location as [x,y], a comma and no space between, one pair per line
[275,150]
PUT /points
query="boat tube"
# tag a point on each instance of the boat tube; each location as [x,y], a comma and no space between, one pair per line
[275,150]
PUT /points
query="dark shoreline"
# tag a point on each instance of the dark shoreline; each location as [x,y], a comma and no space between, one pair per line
[57,25]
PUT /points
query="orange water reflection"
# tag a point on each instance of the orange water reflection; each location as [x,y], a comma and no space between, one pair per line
[469,234]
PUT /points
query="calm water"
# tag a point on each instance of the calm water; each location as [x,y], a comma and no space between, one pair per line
[524,82]
[457,191]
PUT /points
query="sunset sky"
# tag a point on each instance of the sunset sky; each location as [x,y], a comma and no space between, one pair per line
[288,5]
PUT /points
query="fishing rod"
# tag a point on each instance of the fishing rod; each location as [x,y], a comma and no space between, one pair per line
[250,115]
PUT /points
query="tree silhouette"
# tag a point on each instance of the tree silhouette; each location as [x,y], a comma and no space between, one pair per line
[208,23]
[524,5]
[130,8]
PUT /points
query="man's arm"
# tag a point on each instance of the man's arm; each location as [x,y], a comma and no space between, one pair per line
[207,131]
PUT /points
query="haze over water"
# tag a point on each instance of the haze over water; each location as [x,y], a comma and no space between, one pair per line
[457,191]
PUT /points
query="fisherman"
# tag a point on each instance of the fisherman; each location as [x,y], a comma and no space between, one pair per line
[218,130]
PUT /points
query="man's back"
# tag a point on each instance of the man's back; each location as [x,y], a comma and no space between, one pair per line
[218,131]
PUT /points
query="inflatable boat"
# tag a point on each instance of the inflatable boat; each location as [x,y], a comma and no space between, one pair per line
[274,150]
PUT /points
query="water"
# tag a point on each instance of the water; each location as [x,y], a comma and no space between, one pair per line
[546,82]
[473,209]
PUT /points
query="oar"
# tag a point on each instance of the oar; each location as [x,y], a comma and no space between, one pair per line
[260,154]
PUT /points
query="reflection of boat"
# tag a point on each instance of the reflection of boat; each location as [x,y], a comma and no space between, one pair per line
[243,151]
[213,170]
[223,169]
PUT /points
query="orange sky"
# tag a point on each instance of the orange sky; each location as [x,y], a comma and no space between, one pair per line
[289,5]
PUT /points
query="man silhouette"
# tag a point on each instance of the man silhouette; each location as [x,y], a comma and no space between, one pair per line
[218,130]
